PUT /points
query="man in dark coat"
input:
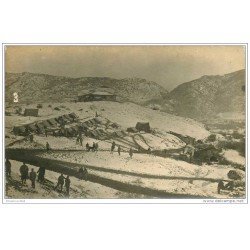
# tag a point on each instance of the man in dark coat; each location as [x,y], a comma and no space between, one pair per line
[96,146]
[48,148]
[83,173]
[60,182]
[24,171]
[31,137]
[33,178]
[119,150]
[67,184]
[80,139]
[131,152]
[220,186]
[7,168]
[112,147]
[41,174]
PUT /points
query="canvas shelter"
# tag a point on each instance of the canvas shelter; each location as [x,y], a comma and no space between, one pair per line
[132,130]
[19,130]
[52,122]
[40,127]
[143,126]
[32,127]
[97,96]
[31,112]
[46,124]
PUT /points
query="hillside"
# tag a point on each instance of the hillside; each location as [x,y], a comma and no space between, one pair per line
[209,96]
[47,88]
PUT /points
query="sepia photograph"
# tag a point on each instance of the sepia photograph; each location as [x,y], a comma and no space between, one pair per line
[125,121]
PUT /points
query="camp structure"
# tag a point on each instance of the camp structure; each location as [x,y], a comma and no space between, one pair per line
[52,122]
[40,128]
[132,130]
[97,96]
[207,153]
[46,124]
[19,130]
[73,116]
[32,128]
[143,126]
[30,112]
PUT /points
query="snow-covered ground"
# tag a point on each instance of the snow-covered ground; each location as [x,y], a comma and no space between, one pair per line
[79,189]
[151,171]
[145,170]
[234,157]
[126,114]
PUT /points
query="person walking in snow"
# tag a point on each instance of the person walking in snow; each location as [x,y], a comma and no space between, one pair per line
[67,184]
[48,148]
[60,182]
[33,178]
[24,171]
[112,147]
[96,146]
[119,150]
[220,186]
[41,174]
[131,153]
[80,139]
[87,147]
[7,168]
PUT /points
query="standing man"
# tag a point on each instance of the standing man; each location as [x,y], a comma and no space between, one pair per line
[24,171]
[131,153]
[60,182]
[96,146]
[48,148]
[112,147]
[33,178]
[80,139]
[7,168]
[220,186]
[119,150]
[31,137]
[41,174]
[67,185]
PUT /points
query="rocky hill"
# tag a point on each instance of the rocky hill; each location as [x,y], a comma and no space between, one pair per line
[47,88]
[208,96]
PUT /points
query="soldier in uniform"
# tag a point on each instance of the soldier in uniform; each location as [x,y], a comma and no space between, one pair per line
[33,178]
[60,182]
[24,171]
[67,184]
[7,168]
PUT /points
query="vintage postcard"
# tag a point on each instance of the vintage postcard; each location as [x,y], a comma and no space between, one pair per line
[158,122]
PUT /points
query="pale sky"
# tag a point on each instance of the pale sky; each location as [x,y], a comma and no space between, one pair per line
[166,65]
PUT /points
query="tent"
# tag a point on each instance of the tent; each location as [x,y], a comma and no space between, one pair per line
[52,122]
[46,124]
[31,112]
[71,119]
[40,127]
[70,132]
[32,127]
[132,129]
[84,126]
[20,130]
[73,115]
[143,126]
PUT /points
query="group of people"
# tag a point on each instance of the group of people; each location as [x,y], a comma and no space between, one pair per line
[65,181]
[113,146]
[93,148]
[25,174]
